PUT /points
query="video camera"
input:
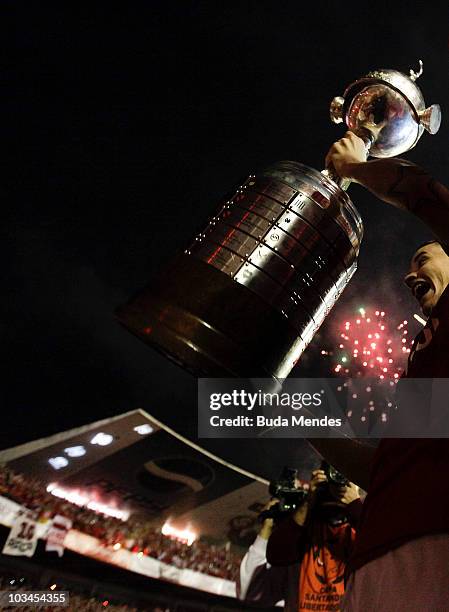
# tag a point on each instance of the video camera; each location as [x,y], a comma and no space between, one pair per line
[334,477]
[290,496]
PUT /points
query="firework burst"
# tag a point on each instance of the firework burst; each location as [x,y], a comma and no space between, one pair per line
[369,346]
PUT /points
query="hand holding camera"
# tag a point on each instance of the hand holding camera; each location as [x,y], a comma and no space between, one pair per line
[331,481]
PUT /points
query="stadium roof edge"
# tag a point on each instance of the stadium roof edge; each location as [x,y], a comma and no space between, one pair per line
[9,454]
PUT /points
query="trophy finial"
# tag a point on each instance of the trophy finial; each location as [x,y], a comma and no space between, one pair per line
[415,75]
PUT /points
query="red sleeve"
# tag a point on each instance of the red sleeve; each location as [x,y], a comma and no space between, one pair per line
[285,543]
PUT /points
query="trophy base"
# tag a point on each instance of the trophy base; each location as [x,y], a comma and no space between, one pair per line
[211,325]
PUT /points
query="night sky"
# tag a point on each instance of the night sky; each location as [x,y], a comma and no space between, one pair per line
[123,125]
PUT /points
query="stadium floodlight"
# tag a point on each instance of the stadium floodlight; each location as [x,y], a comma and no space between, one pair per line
[123,515]
[75,451]
[102,439]
[185,535]
[58,462]
[143,430]
[81,498]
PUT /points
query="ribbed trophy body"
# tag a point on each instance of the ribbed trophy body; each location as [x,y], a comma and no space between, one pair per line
[249,293]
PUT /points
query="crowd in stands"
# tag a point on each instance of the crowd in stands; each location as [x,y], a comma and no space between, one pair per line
[134,535]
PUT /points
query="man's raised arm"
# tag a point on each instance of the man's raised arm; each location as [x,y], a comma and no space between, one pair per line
[395,181]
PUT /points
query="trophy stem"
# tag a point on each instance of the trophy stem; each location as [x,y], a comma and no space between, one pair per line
[332,175]
[369,139]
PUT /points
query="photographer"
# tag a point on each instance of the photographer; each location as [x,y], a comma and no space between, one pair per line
[317,540]
[257,580]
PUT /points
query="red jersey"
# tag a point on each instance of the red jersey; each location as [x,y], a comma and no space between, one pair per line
[408,495]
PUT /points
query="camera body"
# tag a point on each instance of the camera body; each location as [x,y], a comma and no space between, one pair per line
[290,496]
[334,477]
[327,507]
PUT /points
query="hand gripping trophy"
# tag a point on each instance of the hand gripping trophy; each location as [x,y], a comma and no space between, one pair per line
[247,296]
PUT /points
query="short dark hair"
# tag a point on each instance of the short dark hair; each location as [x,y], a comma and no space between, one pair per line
[444,246]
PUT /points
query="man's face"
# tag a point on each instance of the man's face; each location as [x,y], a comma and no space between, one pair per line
[428,275]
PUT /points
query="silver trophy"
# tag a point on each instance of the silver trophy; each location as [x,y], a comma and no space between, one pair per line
[249,293]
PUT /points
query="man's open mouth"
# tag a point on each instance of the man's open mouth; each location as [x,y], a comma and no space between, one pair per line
[420,288]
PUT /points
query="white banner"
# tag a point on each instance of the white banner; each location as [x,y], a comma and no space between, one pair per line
[22,539]
[56,535]
[8,511]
